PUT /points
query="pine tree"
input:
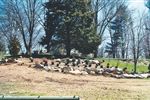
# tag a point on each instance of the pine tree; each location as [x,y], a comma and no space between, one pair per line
[72,22]
[80,33]
[118,37]
[112,48]
[147,4]
[14,45]
[52,20]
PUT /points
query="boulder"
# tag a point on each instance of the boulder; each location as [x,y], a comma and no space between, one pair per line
[145,75]
[46,68]
[90,70]
[95,61]
[39,66]
[76,72]
[84,73]
[17,61]
[66,69]
[58,60]
[99,71]
[132,76]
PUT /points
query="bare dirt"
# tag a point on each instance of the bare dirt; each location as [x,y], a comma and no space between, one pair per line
[24,80]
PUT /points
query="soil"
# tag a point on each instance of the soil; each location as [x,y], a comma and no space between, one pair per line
[16,79]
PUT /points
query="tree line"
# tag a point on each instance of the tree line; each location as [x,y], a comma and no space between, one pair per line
[75,24]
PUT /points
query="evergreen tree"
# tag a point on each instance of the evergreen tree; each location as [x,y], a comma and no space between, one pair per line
[147,4]
[73,24]
[14,45]
[52,20]
[112,48]
[80,33]
[2,47]
[118,37]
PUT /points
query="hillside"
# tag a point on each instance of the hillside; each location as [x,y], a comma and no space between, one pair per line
[24,80]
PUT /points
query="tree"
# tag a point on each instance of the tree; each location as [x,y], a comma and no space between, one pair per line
[74,26]
[118,29]
[136,36]
[106,10]
[146,45]
[14,45]
[2,46]
[147,4]
[51,21]
[25,15]
[87,42]
[80,33]
[146,42]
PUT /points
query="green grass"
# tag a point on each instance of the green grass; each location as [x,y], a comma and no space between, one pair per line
[121,64]
[2,55]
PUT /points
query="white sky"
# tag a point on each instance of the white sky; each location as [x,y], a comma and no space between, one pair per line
[137,5]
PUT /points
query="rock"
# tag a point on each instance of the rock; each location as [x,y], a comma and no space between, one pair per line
[46,68]
[146,75]
[21,64]
[10,60]
[95,62]
[17,61]
[31,59]
[66,69]
[99,71]
[58,60]
[132,76]
[92,72]
[118,76]
[84,73]
[39,66]
[57,70]
[76,72]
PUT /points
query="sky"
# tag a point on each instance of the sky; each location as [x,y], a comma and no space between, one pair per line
[137,5]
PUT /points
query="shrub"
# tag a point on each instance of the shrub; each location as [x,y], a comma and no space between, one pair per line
[14,45]
[2,47]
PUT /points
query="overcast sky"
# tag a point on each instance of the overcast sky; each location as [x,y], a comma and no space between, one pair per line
[138,5]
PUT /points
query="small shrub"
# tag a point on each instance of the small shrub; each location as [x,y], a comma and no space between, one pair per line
[14,45]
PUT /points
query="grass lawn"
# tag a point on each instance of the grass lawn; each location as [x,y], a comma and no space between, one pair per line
[141,67]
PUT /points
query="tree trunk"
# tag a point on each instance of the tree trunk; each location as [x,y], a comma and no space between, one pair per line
[30,50]
[114,52]
[123,53]
[114,55]
[48,47]
[95,53]
[68,48]
[68,51]
[135,65]
[48,39]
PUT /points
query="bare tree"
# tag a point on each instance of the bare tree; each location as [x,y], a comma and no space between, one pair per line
[105,11]
[137,36]
[24,14]
[118,31]
[146,43]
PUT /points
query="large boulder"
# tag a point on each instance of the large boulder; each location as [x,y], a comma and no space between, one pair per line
[66,69]
[84,73]
[75,72]
[146,75]
[90,70]
[39,66]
